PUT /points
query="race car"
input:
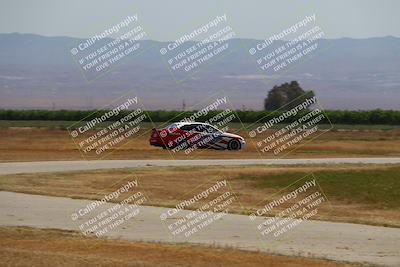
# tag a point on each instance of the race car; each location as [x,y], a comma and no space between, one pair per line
[184,135]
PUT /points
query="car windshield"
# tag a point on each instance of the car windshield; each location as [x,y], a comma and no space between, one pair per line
[206,128]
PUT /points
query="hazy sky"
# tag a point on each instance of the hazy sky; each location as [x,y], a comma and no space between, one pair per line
[167,19]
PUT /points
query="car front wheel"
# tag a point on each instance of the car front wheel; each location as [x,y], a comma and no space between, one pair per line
[234,145]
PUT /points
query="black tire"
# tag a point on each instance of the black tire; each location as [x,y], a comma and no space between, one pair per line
[234,145]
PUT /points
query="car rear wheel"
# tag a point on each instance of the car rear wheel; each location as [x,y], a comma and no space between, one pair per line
[234,145]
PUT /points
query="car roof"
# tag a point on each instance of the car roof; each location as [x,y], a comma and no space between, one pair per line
[181,123]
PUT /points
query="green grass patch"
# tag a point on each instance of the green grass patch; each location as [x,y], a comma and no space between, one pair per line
[378,188]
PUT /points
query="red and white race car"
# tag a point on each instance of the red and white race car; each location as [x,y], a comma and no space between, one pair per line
[183,135]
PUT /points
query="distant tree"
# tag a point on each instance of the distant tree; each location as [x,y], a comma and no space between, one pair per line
[287,95]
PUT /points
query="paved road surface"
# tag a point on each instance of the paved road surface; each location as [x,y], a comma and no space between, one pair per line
[58,166]
[337,241]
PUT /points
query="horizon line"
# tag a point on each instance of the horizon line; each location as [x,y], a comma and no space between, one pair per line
[152,40]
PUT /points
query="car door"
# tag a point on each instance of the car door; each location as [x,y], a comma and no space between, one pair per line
[187,135]
[201,135]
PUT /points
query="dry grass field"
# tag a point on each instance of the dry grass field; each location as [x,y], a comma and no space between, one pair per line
[367,194]
[20,246]
[359,194]
[39,144]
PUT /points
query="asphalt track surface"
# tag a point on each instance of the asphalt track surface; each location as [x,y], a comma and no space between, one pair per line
[336,241]
[62,166]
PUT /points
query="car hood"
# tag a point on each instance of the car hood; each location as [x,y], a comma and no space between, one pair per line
[231,135]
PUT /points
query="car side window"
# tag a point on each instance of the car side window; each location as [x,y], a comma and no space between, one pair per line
[188,127]
[204,128]
[211,129]
[201,128]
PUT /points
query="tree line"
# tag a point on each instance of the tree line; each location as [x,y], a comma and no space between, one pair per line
[378,116]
